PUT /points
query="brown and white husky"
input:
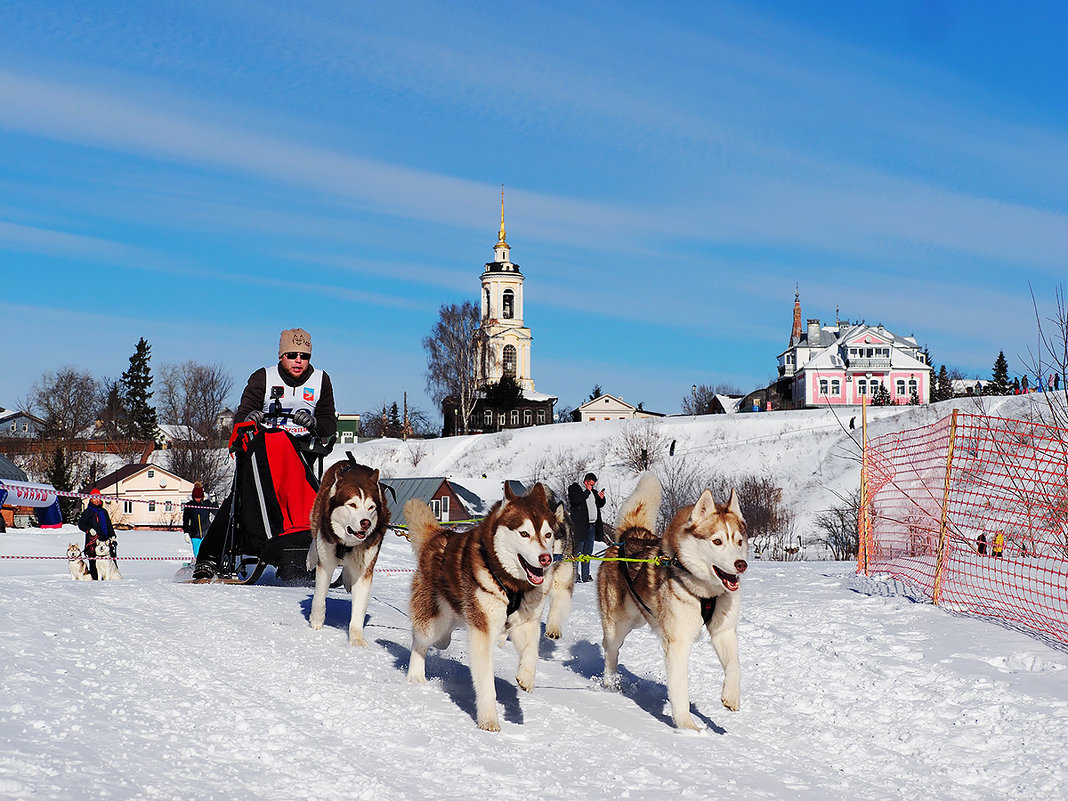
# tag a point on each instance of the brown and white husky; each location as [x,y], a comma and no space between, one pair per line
[696,585]
[348,520]
[492,579]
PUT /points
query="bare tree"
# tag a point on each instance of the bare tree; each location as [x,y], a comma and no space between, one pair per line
[680,485]
[701,399]
[66,400]
[641,445]
[1049,360]
[191,396]
[838,528]
[456,358]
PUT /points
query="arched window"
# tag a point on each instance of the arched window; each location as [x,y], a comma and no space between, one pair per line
[515,417]
[486,304]
[509,360]
[509,304]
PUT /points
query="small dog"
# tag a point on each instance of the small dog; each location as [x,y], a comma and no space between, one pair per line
[106,568]
[348,519]
[704,551]
[491,579]
[78,570]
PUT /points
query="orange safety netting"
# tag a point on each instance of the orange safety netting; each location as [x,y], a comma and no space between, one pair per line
[973,512]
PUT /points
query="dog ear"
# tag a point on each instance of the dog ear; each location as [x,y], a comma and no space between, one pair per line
[705,507]
[508,494]
[537,494]
[733,506]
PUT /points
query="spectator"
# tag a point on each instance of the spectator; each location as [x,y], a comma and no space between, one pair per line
[586,506]
[96,523]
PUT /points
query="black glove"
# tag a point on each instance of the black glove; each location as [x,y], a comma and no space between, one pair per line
[303,418]
[255,416]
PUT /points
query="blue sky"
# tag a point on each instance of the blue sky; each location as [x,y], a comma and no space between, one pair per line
[206,174]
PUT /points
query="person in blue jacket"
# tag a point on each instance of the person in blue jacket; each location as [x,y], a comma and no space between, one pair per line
[96,523]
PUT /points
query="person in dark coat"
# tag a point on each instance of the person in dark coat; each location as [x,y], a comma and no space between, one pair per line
[981,540]
[96,523]
[196,518]
[586,503]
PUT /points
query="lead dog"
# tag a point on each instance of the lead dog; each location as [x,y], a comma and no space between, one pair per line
[492,579]
[563,583]
[696,585]
[78,570]
[106,567]
[348,519]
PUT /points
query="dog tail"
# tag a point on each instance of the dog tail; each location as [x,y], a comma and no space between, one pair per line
[421,523]
[643,505]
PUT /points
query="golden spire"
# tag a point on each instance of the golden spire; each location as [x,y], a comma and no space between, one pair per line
[500,236]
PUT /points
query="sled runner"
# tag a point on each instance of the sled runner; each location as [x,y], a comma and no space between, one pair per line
[276,477]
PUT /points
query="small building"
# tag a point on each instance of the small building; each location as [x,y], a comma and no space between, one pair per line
[609,407]
[436,492]
[143,496]
[168,434]
[963,387]
[348,428]
[19,424]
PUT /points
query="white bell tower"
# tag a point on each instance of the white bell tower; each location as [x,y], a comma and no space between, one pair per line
[507,339]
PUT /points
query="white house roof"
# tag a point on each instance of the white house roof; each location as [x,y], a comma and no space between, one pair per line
[829,357]
[600,399]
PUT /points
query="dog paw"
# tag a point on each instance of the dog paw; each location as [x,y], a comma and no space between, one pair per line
[687,724]
[611,681]
[416,679]
[553,633]
[357,640]
[525,684]
[490,725]
[732,703]
[317,625]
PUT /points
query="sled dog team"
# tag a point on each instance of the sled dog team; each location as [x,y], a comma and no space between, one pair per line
[495,579]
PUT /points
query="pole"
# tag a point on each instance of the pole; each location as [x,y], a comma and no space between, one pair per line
[936,595]
[863,523]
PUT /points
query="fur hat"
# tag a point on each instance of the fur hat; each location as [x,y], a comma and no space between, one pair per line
[294,339]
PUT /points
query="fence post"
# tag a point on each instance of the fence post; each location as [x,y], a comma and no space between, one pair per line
[863,524]
[936,595]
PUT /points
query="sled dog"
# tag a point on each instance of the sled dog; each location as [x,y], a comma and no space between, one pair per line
[348,520]
[78,570]
[106,568]
[703,553]
[491,579]
[563,583]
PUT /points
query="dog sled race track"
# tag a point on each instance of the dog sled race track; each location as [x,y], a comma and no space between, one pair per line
[148,689]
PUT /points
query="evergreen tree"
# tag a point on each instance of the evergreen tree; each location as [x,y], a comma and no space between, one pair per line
[943,388]
[1000,383]
[881,397]
[60,475]
[394,426]
[137,389]
[914,399]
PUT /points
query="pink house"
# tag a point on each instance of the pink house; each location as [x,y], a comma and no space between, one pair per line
[840,365]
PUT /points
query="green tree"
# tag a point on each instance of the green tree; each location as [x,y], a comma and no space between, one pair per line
[999,384]
[943,387]
[137,388]
[60,475]
[881,397]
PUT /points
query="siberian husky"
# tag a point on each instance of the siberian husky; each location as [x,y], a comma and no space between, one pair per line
[348,520]
[703,551]
[563,583]
[106,568]
[492,579]
[78,570]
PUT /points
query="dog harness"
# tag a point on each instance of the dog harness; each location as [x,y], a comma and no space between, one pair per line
[708,605]
[515,597]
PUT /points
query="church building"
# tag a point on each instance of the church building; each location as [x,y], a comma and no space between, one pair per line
[506,344]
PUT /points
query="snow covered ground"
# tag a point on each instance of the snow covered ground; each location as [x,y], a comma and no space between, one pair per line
[148,689]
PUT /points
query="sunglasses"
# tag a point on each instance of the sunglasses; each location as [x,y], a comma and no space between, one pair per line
[294,354]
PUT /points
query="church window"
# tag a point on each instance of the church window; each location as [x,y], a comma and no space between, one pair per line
[486,304]
[509,304]
[509,360]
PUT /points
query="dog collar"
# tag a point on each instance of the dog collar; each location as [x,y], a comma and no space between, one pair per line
[515,597]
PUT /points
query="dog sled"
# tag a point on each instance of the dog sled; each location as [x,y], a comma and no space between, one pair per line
[276,477]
